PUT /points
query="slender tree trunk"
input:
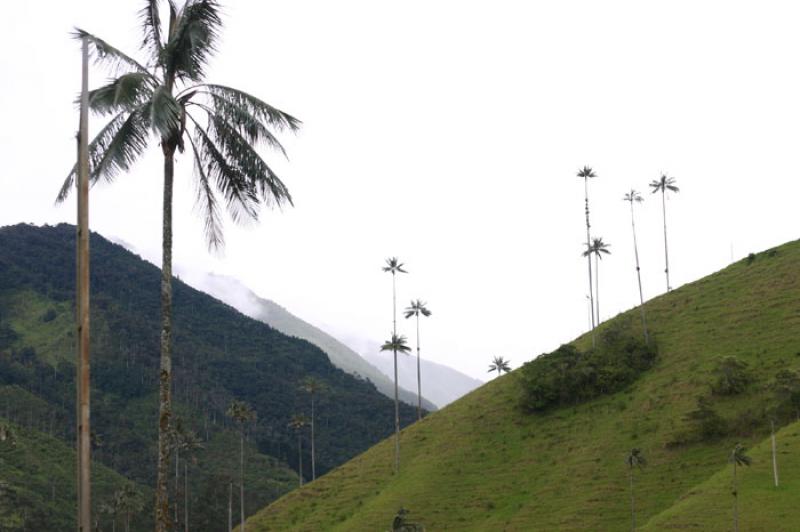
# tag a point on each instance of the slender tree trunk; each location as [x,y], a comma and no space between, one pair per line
[666,251]
[313,457]
[633,505]
[230,506]
[299,458]
[177,484]
[774,455]
[589,255]
[419,377]
[639,278]
[241,476]
[165,374]
[84,457]
[597,286]
[185,497]
[396,419]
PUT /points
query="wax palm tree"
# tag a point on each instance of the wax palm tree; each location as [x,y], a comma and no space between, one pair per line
[500,365]
[297,423]
[664,184]
[635,459]
[397,343]
[598,248]
[634,197]
[587,173]
[737,458]
[416,309]
[166,99]
[394,266]
[242,414]
[312,386]
[129,502]
[188,443]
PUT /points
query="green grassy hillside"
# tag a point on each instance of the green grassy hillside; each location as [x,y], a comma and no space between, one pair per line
[484,464]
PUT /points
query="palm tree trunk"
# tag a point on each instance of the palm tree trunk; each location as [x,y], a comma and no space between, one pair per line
[396,419]
[185,497]
[633,506]
[299,458]
[419,377]
[177,483]
[589,256]
[313,458]
[774,455]
[230,506]
[241,476]
[597,286]
[639,278]
[165,375]
[666,252]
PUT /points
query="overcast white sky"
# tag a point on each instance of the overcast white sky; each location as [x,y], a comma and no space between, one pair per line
[448,133]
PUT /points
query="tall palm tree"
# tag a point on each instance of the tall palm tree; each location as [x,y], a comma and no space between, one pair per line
[394,266]
[397,343]
[664,184]
[737,458]
[587,173]
[500,365]
[242,414]
[415,309]
[635,458]
[166,99]
[296,424]
[634,197]
[597,248]
[312,386]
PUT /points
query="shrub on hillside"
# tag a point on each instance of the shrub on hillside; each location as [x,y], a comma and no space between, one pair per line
[786,388]
[733,376]
[706,423]
[568,376]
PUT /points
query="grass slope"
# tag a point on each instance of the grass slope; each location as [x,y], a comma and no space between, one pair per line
[481,464]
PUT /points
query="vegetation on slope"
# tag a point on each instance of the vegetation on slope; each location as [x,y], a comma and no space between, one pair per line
[484,464]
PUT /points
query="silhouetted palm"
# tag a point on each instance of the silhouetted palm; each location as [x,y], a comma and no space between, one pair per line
[241,413]
[634,197]
[634,459]
[415,309]
[297,423]
[737,458]
[312,386]
[165,99]
[598,249]
[500,365]
[587,173]
[394,266]
[664,184]
[397,343]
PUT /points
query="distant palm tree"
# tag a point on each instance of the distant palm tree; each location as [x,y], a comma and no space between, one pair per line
[165,98]
[312,386]
[737,458]
[241,413]
[664,184]
[598,248]
[415,309]
[394,266]
[397,343]
[635,458]
[587,173]
[297,423]
[634,197]
[8,438]
[500,365]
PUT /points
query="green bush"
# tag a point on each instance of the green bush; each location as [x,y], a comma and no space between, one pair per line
[706,422]
[568,376]
[733,376]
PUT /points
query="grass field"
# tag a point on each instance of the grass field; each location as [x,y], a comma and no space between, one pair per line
[482,464]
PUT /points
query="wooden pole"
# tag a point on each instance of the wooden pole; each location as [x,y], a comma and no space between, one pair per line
[83,436]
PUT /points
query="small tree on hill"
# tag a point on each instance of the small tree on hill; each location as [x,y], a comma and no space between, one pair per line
[664,184]
[635,459]
[737,458]
[417,309]
[732,376]
[312,386]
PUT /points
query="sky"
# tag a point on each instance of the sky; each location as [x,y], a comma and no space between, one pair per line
[449,134]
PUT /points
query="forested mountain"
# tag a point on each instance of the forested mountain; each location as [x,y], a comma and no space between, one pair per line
[219,355]
[243,299]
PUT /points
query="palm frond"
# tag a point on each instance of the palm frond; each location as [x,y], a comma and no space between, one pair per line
[586,172]
[151,28]
[122,94]
[105,54]
[192,40]
[164,113]
[254,106]
[396,344]
[206,203]
[113,150]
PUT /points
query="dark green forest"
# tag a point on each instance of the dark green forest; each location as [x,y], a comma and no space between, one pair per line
[219,355]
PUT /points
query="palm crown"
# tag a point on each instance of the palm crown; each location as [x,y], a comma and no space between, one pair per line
[635,458]
[393,265]
[416,308]
[167,98]
[664,184]
[586,172]
[397,344]
[598,248]
[500,365]
[632,196]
